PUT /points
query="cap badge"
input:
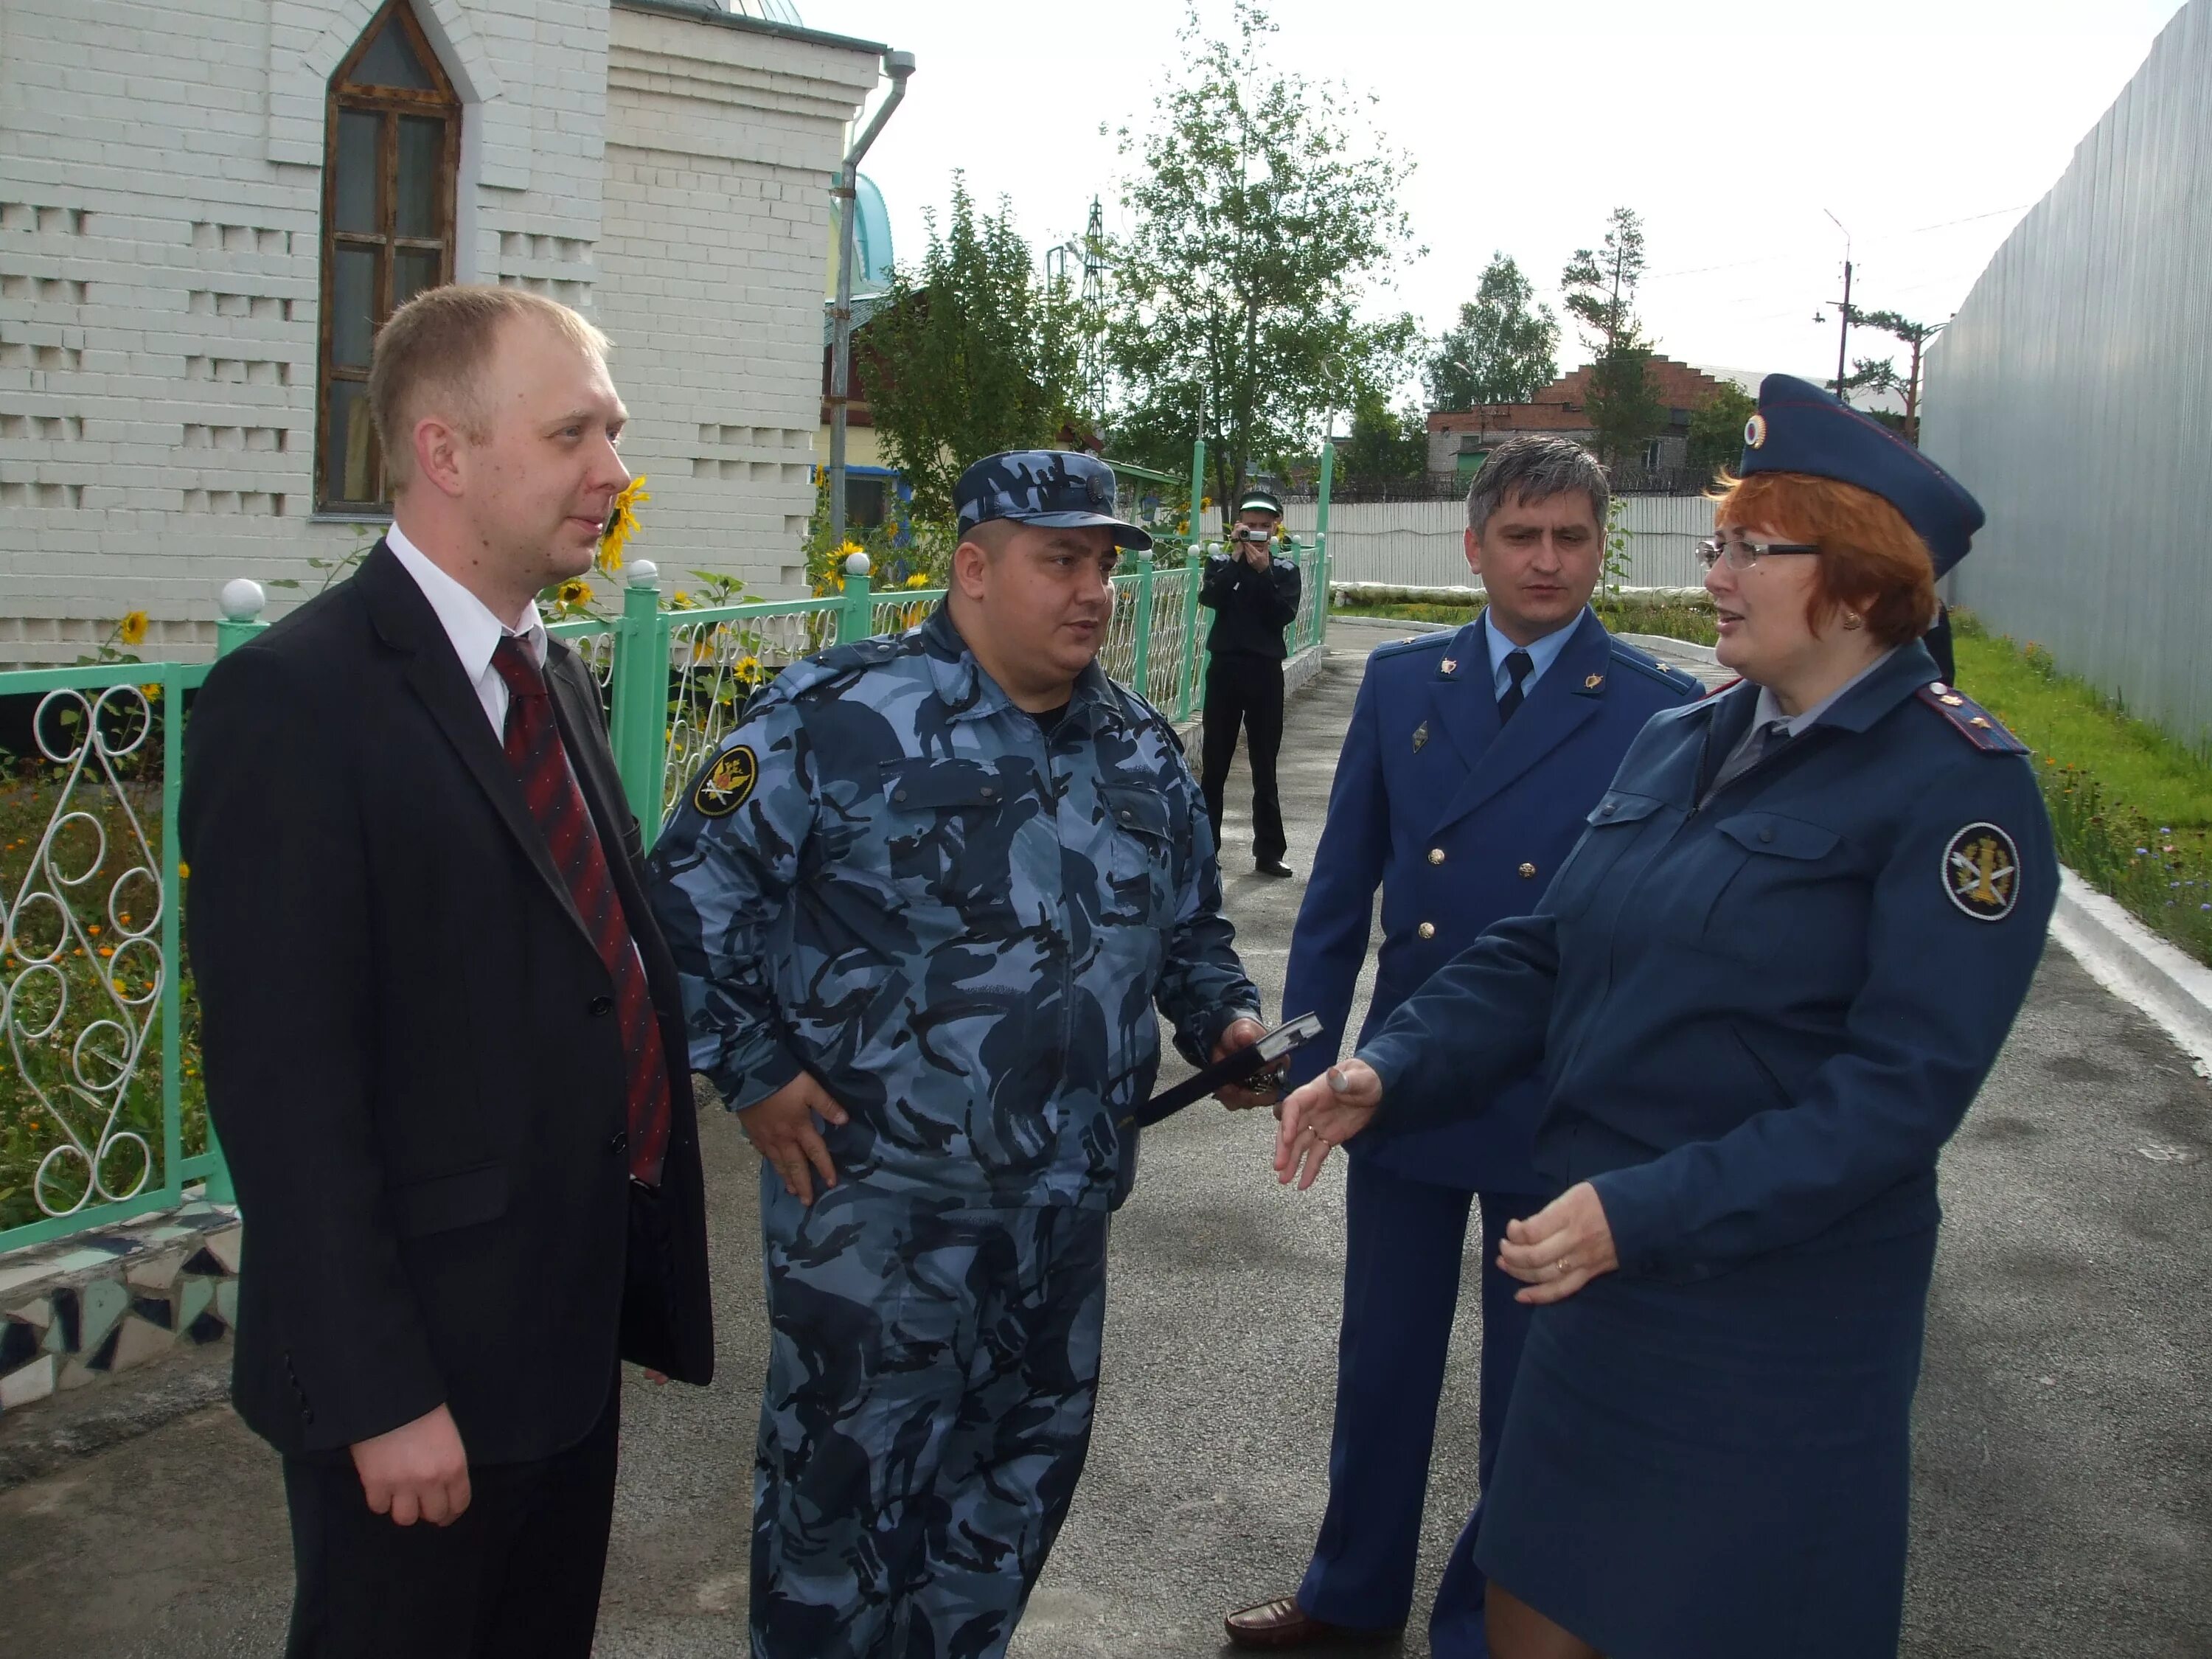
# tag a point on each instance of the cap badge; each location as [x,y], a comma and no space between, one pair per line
[1593,681]
[1754,432]
[1450,665]
[1981,873]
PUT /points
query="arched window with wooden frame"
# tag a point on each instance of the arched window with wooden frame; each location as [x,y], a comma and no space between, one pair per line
[391,157]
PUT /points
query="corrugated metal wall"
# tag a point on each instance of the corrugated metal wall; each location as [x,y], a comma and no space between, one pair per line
[1419,544]
[2072,395]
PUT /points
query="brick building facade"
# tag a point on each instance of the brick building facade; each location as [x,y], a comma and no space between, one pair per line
[174,408]
[1458,439]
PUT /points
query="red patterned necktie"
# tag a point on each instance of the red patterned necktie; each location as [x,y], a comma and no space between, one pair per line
[556,803]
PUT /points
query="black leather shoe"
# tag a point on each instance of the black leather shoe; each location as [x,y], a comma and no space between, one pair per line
[1272,867]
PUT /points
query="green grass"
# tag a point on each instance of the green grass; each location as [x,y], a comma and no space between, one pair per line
[2131,808]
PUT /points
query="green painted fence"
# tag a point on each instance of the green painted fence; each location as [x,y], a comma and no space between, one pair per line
[103,1111]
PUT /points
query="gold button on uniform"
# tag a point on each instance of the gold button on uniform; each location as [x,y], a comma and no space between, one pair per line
[1435,855]
[1427,930]
[1527,871]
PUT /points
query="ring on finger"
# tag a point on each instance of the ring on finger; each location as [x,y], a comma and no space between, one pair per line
[1564,1265]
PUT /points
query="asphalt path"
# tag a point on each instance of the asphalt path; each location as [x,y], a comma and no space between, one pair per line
[2063,1452]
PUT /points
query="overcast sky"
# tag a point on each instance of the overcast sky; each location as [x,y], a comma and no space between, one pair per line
[1927,127]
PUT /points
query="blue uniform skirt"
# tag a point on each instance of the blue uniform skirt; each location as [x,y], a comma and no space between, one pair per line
[1723,1469]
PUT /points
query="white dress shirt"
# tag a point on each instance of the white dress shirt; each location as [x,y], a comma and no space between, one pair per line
[470,624]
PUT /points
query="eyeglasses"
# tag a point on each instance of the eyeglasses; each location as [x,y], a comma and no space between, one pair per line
[1742,553]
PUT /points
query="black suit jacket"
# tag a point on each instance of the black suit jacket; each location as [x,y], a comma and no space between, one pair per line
[410,1053]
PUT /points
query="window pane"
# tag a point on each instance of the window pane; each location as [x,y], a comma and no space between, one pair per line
[353,307]
[391,61]
[863,501]
[355,195]
[422,176]
[349,463]
[413,270]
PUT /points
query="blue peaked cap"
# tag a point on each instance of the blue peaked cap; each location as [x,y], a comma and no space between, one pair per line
[1801,428]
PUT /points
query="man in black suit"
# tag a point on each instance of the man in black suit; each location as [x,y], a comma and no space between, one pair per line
[444,1042]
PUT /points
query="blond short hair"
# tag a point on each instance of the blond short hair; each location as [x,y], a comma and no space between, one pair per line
[433,351]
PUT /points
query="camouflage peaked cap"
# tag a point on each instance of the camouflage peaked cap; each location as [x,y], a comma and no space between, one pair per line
[1059,489]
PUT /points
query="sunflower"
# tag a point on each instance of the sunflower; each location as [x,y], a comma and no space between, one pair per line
[920,579]
[131,630]
[747,670]
[574,591]
[621,523]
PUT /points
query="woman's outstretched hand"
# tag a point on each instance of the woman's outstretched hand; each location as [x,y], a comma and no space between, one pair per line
[1332,1108]
[1560,1249]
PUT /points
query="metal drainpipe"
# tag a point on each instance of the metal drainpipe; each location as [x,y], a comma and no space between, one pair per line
[899,65]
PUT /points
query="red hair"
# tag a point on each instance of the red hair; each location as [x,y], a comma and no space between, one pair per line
[1872,562]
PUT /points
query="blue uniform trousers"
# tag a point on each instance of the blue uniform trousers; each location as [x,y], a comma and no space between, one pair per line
[1403,1243]
[931,1378]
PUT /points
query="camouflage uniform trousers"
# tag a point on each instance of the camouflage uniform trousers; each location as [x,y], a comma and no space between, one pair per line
[931,1378]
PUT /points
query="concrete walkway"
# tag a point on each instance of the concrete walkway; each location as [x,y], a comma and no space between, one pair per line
[2064,1492]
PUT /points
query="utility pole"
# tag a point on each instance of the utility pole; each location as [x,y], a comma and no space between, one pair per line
[1844,334]
[1844,338]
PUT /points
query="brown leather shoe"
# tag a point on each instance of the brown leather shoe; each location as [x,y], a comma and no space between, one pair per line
[1282,1623]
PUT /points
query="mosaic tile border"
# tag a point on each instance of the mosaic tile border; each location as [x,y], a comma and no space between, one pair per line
[83,1309]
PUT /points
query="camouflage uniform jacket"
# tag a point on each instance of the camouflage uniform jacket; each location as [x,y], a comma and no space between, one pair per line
[890,878]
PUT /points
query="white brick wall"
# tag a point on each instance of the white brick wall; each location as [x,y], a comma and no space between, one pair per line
[160,216]
[721,145]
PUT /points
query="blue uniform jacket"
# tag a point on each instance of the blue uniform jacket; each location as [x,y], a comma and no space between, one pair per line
[1759,1018]
[1461,820]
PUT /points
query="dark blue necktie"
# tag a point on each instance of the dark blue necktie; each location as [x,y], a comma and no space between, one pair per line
[1519,664]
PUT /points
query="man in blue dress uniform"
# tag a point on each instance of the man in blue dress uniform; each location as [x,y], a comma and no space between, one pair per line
[1471,764]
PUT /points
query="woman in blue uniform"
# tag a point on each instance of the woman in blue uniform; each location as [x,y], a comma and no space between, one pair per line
[1763,991]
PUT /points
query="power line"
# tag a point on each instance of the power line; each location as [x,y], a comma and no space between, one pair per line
[1779,259]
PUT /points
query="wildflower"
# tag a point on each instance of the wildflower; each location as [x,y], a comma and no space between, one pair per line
[108,950]
[920,579]
[621,523]
[131,630]
[679,600]
[184,869]
[2143,852]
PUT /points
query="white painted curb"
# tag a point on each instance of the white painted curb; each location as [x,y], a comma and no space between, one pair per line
[2135,965]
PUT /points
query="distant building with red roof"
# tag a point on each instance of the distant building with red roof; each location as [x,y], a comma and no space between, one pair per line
[1460,438]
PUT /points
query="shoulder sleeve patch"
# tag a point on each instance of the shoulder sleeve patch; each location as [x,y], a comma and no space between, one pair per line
[724,785]
[1981,873]
[1970,720]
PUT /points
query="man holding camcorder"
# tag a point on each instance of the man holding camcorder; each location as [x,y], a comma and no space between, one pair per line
[1254,596]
